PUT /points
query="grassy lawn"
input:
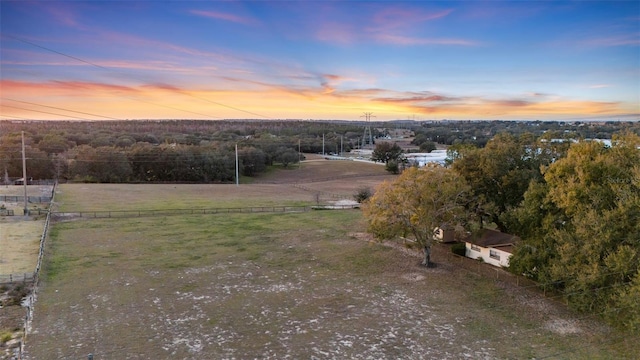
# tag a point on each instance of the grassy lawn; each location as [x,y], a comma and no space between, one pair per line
[275,286]
[19,235]
[19,244]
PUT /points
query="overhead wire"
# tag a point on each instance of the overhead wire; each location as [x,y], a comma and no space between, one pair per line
[554,283]
[59,108]
[136,99]
[43,112]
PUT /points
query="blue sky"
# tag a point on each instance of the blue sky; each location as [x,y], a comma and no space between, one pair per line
[513,60]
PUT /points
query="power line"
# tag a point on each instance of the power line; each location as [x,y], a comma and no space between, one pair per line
[63,109]
[111,70]
[13,117]
[44,112]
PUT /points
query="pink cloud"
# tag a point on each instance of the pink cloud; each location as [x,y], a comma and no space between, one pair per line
[337,33]
[50,87]
[420,99]
[392,18]
[406,40]
[391,25]
[63,15]
[511,103]
[617,40]
[225,16]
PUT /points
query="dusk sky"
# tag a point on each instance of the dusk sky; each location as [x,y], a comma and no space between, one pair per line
[515,60]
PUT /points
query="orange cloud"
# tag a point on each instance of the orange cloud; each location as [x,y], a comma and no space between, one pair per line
[162,101]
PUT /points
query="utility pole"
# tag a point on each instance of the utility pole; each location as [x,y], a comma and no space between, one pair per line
[237,166]
[367,127]
[299,155]
[24,177]
[322,144]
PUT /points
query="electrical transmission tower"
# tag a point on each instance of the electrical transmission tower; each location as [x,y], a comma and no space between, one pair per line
[367,127]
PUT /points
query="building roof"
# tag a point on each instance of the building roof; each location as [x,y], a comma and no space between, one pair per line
[491,238]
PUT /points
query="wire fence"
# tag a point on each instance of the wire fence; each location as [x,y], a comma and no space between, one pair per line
[6,279]
[33,279]
[30,199]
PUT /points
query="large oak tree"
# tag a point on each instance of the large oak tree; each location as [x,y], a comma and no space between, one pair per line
[581,227]
[416,204]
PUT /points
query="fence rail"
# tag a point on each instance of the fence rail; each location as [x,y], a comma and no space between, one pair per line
[7,212]
[30,199]
[35,277]
[14,278]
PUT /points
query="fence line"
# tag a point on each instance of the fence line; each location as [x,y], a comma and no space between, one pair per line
[13,278]
[334,196]
[315,180]
[31,199]
[35,279]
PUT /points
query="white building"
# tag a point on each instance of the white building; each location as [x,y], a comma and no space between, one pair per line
[493,247]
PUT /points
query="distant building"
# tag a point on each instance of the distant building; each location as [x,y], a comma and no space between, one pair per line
[21,181]
[444,235]
[422,159]
[493,247]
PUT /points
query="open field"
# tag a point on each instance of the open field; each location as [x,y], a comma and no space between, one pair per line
[276,188]
[20,236]
[19,241]
[32,190]
[275,286]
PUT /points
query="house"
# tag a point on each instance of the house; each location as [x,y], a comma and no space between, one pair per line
[492,246]
[444,235]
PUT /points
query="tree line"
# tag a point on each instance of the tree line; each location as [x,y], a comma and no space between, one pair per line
[77,150]
[575,206]
[171,151]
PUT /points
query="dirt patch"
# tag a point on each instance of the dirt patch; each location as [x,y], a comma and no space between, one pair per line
[413,276]
[563,327]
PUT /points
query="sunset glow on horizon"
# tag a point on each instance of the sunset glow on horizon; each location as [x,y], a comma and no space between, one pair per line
[105,60]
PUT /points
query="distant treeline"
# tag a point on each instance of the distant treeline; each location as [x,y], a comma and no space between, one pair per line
[204,151]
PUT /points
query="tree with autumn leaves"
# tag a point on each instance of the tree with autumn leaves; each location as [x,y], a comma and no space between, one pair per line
[417,203]
[576,209]
[580,227]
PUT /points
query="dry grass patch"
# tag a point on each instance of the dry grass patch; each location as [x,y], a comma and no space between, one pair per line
[271,286]
[19,241]
[84,197]
[321,169]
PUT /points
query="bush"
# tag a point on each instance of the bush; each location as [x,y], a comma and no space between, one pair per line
[5,337]
[392,167]
[362,194]
[459,249]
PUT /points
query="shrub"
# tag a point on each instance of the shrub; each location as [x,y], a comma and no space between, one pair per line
[5,337]
[392,167]
[362,194]
[459,249]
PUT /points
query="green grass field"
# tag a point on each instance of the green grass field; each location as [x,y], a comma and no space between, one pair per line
[275,286]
